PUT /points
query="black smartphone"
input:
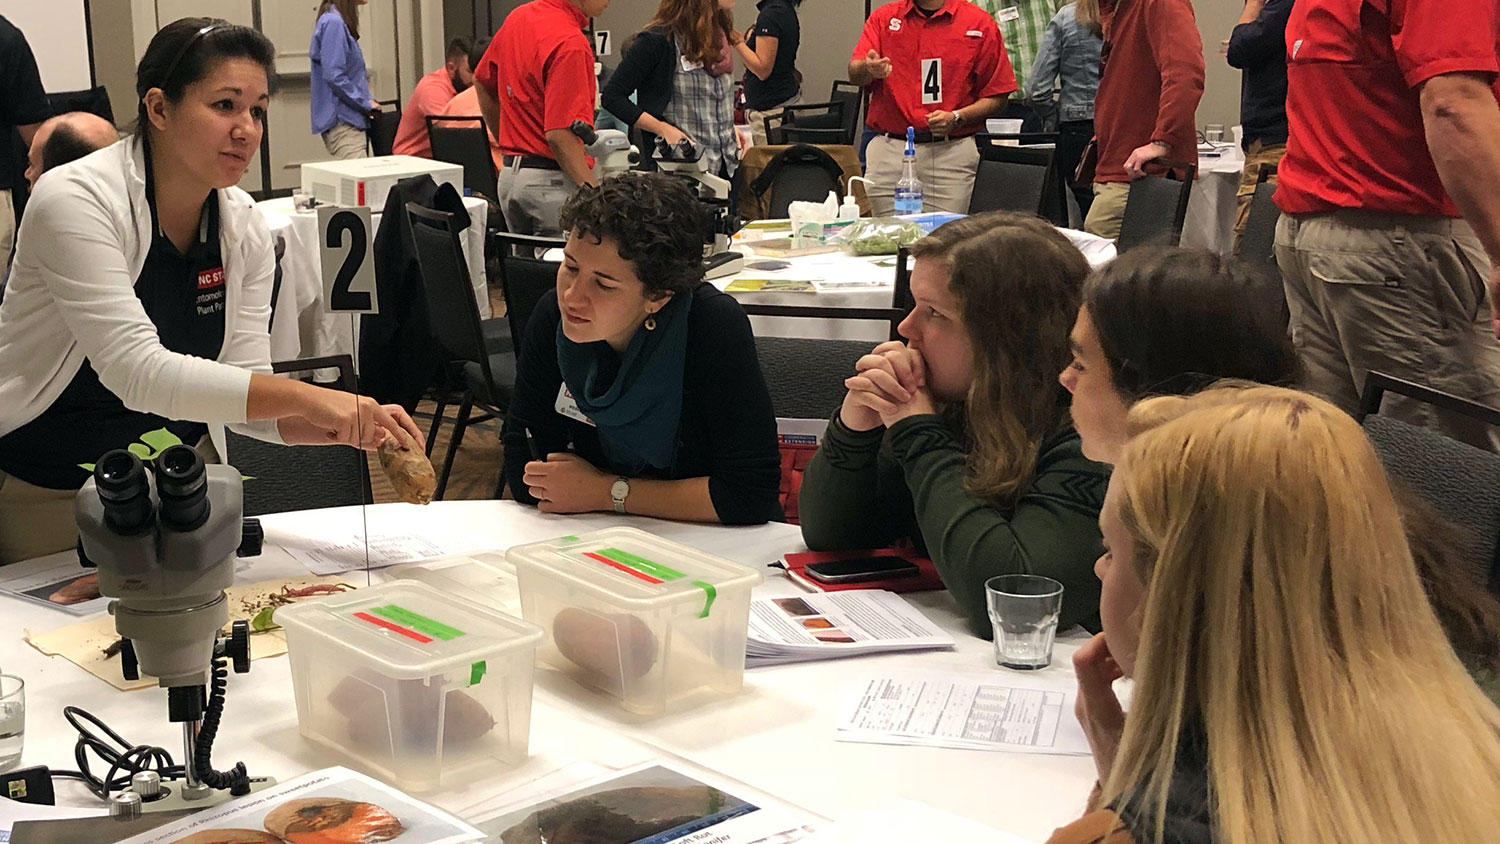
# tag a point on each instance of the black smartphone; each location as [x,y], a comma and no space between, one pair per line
[862,569]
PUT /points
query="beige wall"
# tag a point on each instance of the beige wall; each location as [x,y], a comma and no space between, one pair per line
[830,29]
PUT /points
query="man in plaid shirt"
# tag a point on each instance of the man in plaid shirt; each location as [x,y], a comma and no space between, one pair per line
[1022,23]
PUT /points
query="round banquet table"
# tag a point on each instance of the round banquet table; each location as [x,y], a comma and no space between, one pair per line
[777,736]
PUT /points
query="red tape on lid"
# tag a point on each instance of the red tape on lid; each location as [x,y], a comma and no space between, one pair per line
[395,628]
[622,567]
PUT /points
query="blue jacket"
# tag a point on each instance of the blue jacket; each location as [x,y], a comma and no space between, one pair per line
[340,83]
[1259,49]
[1070,53]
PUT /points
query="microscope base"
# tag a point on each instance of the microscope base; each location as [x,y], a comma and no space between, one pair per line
[173,801]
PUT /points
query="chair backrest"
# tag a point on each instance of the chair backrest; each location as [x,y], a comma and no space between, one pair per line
[1012,179]
[853,97]
[1258,243]
[1154,212]
[284,478]
[809,123]
[452,313]
[383,127]
[800,182]
[464,141]
[525,278]
[1459,481]
[92,100]
[806,376]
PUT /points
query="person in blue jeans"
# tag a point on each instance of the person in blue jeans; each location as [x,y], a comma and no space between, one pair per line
[341,101]
[1068,64]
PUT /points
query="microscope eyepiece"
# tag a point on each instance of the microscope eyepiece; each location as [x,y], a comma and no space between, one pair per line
[182,486]
[125,492]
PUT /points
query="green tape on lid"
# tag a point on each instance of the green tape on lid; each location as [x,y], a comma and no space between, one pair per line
[476,672]
[641,564]
[419,623]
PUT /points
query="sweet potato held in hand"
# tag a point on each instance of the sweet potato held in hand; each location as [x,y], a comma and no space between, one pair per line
[410,472]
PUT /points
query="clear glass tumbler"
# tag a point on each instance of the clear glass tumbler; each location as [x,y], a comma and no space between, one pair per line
[12,720]
[1023,610]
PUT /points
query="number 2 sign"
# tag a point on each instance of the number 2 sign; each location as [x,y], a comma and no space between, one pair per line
[344,247]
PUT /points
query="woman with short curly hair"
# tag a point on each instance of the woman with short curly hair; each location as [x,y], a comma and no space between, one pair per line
[638,389]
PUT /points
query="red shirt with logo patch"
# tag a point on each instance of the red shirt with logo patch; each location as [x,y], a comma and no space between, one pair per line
[1355,69]
[940,63]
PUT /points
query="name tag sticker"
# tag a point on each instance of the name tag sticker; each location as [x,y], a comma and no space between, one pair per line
[567,406]
[1009,14]
[974,33]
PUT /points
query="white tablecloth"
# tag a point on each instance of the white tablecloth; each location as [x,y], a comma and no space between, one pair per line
[878,272]
[777,736]
[1212,204]
[301,326]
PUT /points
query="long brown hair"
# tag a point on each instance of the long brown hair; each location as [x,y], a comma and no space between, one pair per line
[347,9]
[695,25]
[1088,16]
[1018,283]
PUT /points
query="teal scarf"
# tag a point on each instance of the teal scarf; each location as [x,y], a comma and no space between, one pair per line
[635,399]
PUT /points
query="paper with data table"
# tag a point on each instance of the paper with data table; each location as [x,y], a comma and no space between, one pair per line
[998,711]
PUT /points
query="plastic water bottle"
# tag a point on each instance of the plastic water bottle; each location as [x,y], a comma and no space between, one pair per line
[909,188]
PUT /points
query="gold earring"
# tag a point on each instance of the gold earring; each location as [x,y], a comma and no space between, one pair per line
[651,323]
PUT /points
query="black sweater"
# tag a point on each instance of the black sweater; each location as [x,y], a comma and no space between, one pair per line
[645,70]
[1259,49]
[727,432]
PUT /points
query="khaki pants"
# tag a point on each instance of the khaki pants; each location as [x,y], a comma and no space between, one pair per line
[1108,209]
[758,120]
[7,231]
[1397,294]
[532,198]
[1257,158]
[36,521]
[345,141]
[945,168]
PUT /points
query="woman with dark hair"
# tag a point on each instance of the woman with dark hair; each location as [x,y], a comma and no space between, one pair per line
[1173,322]
[959,439]
[680,71]
[769,51]
[341,100]
[638,389]
[139,300]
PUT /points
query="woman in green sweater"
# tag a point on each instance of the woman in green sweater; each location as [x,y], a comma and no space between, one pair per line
[959,439]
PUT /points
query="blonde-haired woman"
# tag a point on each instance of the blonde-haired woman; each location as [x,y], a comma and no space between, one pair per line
[1292,683]
[959,439]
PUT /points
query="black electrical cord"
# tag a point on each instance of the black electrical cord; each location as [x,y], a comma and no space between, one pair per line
[236,779]
[124,759]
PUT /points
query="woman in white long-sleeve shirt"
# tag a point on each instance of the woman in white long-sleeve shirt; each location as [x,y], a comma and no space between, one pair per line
[140,295]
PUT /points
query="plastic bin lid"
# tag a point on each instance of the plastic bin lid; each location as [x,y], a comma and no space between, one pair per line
[410,628]
[632,567]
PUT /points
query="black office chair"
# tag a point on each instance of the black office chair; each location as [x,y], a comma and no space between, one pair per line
[92,100]
[1155,209]
[282,478]
[853,98]
[801,172]
[1015,179]
[465,141]
[383,127]
[487,373]
[525,277]
[811,123]
[1460,482]
[806,376]
[1258,242]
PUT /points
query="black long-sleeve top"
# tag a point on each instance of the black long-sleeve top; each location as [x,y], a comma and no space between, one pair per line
[1259,49]
[727,432]
[645,70]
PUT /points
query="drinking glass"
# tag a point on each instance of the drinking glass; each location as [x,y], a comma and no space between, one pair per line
[12,720]
[1023,609]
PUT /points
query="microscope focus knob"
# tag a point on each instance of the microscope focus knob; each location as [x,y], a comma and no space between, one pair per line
[128,666]
[147,784]
[239,646]
[125,806]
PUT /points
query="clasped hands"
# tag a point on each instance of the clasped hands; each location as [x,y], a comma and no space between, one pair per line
[567,483]
[888,385]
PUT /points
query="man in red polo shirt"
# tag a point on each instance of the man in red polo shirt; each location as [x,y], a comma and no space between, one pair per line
[432,95]
[1390,190]
[539,74]
[940,67]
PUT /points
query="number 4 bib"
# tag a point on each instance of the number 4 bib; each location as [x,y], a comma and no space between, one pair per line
[932,81]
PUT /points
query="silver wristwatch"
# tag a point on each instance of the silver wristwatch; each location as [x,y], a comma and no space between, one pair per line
[618,492]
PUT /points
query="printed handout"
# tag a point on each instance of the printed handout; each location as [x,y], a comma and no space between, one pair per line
[837,624]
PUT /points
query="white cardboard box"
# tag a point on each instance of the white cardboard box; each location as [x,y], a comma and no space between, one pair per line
[366,181]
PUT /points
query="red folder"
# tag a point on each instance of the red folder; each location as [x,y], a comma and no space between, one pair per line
[927,581]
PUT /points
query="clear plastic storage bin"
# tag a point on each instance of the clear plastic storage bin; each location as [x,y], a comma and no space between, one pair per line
[649,621]
[412,683]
